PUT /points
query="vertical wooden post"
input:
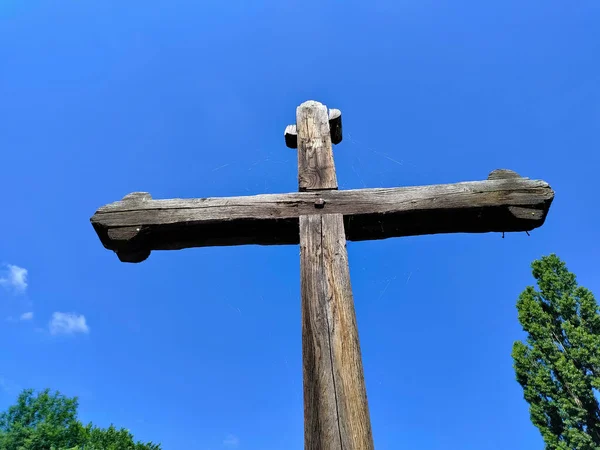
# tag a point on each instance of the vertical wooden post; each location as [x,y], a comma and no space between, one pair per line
[316,169]
[336,413]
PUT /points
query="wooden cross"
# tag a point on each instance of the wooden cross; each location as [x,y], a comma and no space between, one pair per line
[320,218]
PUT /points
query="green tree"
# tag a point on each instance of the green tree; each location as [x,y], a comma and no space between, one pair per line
[558,366]
[48,421]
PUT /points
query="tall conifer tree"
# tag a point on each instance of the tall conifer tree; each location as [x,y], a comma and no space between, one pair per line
[558,365]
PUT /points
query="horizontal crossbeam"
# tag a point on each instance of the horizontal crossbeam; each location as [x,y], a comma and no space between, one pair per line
[136,225]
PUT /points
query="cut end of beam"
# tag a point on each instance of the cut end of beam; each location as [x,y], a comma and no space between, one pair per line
[335,125]
[291,136]
[529,214]
[126,241]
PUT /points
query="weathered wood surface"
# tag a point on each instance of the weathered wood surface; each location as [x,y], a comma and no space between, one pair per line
[503,174]
[335,130]
[138,224]
[320,403]
[336,413]
[316,169]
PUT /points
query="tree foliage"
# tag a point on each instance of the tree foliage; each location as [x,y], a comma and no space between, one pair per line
[48,421]
[558,365]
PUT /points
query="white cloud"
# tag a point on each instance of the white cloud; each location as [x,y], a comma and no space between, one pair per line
[68,323]
[14,278]
[27,316]
[231,441]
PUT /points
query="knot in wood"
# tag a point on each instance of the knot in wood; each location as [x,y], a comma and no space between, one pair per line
[319,203]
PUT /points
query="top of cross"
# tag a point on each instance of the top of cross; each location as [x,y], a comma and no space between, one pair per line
[335,125]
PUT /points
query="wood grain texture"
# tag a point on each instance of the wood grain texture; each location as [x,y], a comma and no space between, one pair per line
[320,405]
[316,169]
[335,130]
[502,174]
[138,224]
[336,413]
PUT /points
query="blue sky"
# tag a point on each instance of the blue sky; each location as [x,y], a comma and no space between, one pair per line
[201,348]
